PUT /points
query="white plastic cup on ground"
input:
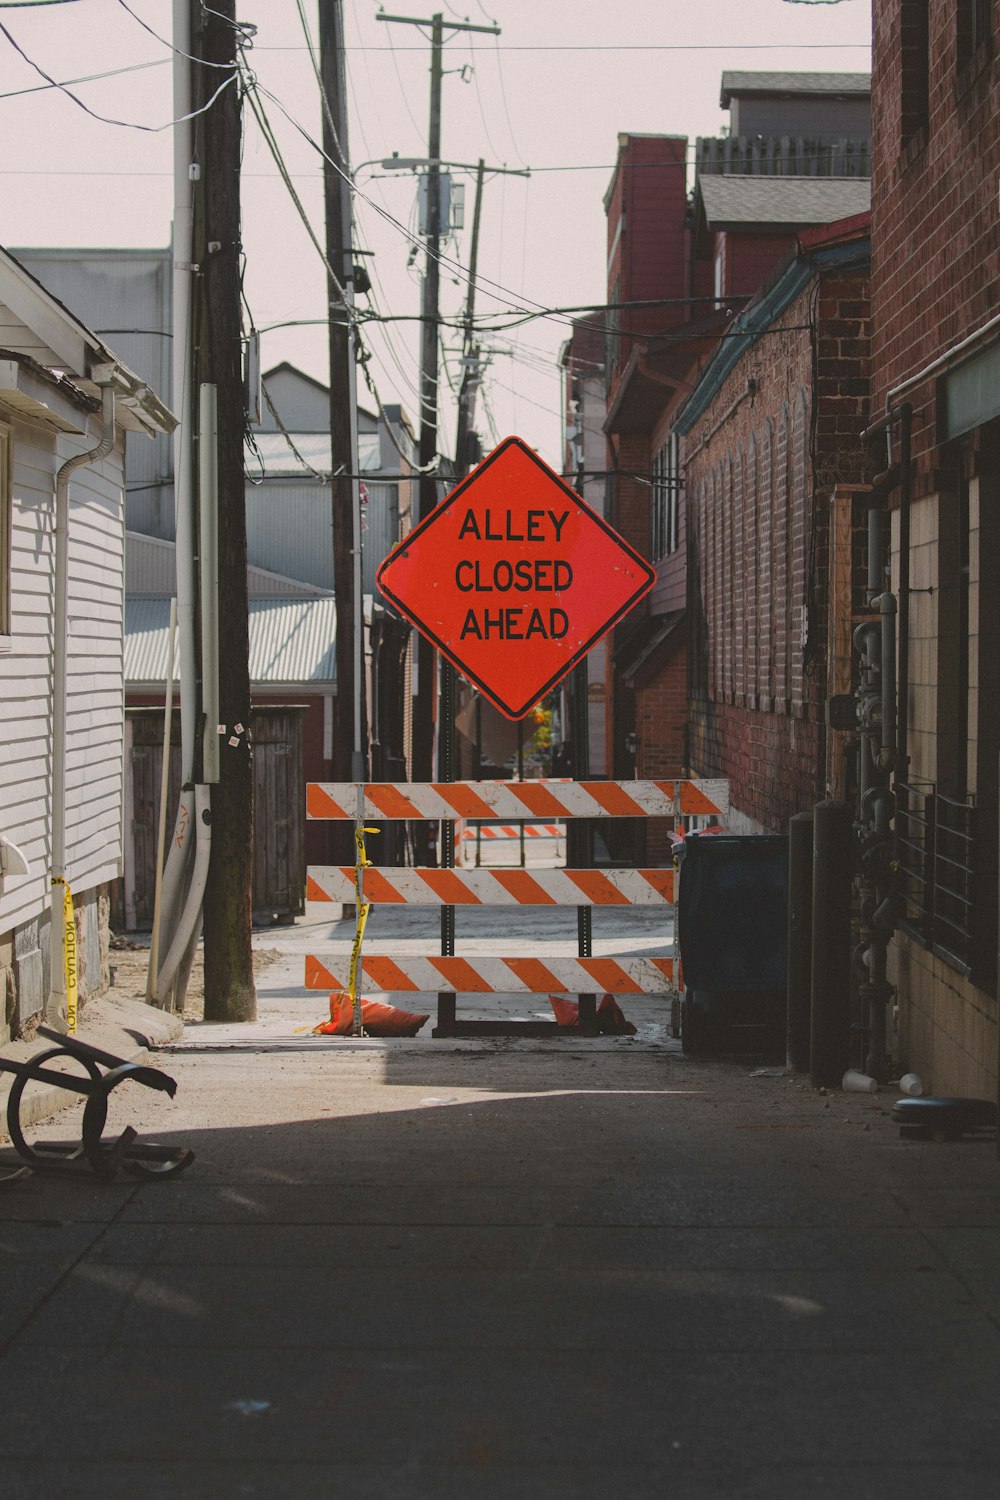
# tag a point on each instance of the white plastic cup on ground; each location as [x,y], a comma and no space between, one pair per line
[912,1084]
[854,1082]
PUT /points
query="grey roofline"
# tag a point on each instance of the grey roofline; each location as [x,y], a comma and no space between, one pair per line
[776,84]
[749,325]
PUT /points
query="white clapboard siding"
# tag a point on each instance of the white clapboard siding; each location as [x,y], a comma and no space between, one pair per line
[94,688]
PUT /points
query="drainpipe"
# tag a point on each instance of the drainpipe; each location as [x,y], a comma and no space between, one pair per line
[886,758]
[55,1011]
[176,873]
[905,497]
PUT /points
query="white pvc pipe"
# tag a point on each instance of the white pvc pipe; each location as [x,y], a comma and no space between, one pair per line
[176,873]
[191,914]
[55,1011]
[152,986]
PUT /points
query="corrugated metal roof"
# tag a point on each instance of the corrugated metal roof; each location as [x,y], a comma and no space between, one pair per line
[151,569]
[737,202]
[737,82]
[314,453]
[292,641]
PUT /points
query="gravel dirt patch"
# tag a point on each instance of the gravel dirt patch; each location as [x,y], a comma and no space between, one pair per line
[129,962]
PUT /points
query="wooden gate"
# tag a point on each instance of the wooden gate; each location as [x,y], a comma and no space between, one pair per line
[279,823]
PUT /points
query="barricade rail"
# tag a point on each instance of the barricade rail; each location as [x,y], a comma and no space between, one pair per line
[449,975]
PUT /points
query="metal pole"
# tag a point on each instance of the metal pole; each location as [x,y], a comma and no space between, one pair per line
[800,890]
[829,1043]
[152,988]
[520,777]
[446,1002]
[470,371]
[580,836]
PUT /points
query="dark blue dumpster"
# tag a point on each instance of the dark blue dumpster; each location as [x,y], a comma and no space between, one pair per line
[732,918]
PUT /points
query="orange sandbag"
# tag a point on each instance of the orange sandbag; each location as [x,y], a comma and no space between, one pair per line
[566,1012]
[610,1018]
[341,1016]
[388,1020]
[377,1018]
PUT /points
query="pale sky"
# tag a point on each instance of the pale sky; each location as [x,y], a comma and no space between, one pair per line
[552,93]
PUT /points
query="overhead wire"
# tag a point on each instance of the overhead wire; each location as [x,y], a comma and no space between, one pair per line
[40,88]
[363,354]
[109,119]
[410,381]
[165,42]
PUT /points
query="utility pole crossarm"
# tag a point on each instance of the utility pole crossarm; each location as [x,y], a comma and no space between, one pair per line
[430,20]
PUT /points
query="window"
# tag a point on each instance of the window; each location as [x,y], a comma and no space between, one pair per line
[612,342]
[666,490]
[974,28]
[915,46]
[6,506]
[936,851]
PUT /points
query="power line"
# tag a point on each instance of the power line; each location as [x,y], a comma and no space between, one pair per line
[42,88]
[108,119]
[622,47]
[188,57]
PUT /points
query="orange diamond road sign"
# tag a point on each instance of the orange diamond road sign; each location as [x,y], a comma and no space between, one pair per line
[513,577]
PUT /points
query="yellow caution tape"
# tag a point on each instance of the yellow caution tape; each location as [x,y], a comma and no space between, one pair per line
[363,908]
[70,954]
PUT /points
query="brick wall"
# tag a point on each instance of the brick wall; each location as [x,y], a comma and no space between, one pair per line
[750,259]
[935,211]
[661,724]
[759,485]
[646,206]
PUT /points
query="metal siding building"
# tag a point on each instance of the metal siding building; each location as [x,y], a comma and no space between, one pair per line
[125,296]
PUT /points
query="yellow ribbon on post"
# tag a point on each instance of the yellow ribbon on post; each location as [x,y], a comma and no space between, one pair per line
[72,971]
[363,908]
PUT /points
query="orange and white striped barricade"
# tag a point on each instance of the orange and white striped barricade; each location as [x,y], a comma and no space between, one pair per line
[451,975]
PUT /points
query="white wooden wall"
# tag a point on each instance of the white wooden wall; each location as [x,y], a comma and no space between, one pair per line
[95,699]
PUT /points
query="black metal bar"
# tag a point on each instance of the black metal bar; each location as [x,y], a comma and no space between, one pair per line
[800,887]
[446,769]
[105,1158]
[829,1043]
[582,838]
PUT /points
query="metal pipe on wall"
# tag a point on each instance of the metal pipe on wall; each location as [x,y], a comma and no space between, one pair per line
[55,1011]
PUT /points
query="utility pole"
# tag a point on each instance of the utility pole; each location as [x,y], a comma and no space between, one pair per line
[349,747]
[423,719]
[470,353]
[228,909]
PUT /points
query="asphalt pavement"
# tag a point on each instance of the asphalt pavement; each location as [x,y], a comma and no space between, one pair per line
[502,1269]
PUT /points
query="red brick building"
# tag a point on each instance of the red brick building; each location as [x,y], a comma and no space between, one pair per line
[680,265]
[936,385]
[775,485]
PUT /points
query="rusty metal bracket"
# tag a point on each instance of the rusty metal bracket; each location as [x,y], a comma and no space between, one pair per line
[127,1153]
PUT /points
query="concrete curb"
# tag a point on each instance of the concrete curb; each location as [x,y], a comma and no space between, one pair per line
[127,1028]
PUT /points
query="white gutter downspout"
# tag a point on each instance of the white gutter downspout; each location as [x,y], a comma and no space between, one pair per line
[55,1011]
[175,875]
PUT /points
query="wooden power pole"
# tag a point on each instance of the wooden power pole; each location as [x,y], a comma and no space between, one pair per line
[228,911]
[423,718]
[349,747]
